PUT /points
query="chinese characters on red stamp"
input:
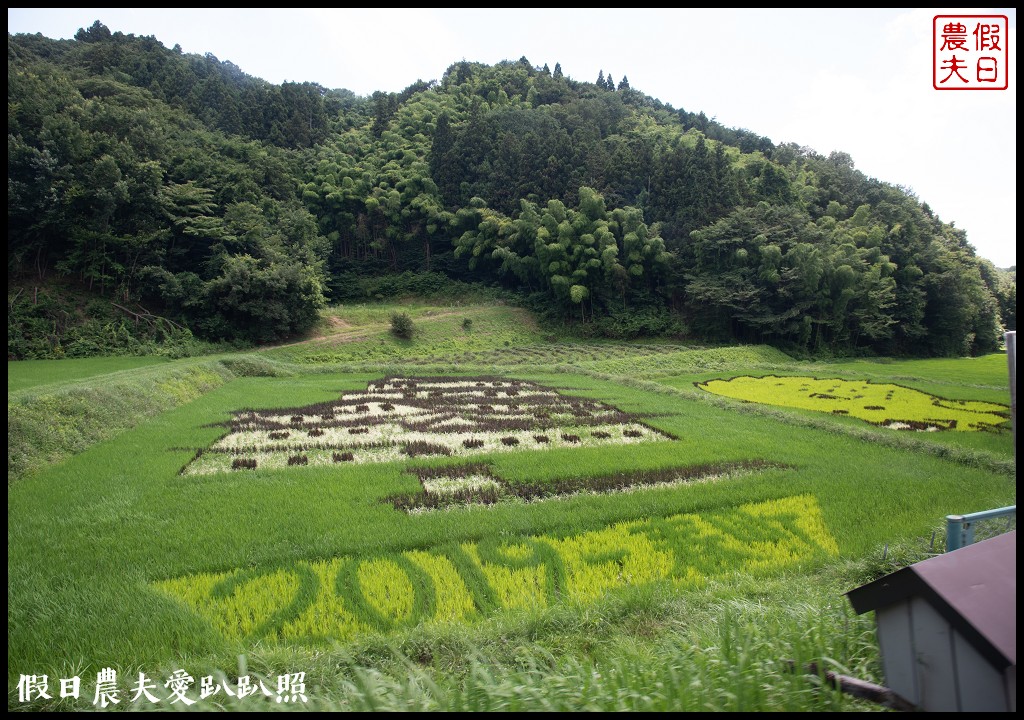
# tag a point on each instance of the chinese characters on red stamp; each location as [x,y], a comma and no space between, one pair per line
[970,52]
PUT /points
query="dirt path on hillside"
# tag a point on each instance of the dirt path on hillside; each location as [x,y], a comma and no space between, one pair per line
[340,331]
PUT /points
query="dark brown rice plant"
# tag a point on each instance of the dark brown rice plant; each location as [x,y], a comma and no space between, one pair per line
[421,447]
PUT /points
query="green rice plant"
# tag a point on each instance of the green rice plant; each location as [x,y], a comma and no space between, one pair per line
[25,374]
[986,371]
[691,360]
[323,614]
[722,648]
[91,539]
[990,450]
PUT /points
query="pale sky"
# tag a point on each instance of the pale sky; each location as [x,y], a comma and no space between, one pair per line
[855,80]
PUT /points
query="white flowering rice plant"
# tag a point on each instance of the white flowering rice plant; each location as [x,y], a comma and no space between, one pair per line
[413,417]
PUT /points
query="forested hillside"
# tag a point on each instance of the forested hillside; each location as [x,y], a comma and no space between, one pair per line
[178,187]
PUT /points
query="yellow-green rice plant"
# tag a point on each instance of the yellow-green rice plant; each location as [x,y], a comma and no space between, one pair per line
[467,566]
[802,512]
[520,573]
[767,536]
[327,616]
[386,592]
[453,601]
[884,404]
[242,604]
[345,597]
[604,560]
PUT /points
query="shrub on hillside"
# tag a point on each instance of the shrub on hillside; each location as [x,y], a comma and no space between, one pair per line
[401,325]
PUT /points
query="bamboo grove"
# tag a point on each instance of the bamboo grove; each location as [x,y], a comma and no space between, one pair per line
[237,208]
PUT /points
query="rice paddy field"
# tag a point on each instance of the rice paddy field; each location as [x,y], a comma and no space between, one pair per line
[479,518]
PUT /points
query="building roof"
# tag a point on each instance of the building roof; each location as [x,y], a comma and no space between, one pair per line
[973,588]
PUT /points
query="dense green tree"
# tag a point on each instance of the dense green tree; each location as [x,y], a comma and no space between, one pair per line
[1003,285]
[152,175]
[583,257]
[97,32]
[770,273]
[260,301]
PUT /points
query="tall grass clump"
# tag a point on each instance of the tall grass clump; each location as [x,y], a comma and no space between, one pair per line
[726,649]
[254,365]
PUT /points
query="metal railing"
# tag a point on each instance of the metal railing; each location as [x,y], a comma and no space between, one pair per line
[963,530]
[1011,360]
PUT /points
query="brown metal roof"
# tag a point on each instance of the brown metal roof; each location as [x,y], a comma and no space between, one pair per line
[973,588]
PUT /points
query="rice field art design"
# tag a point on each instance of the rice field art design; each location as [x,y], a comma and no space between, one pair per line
[344,597]
[400,418]
[883,404]
[454,486]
